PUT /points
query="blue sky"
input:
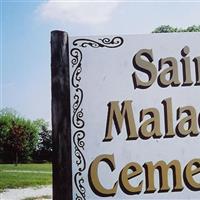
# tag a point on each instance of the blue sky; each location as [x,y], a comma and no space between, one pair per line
[25,39]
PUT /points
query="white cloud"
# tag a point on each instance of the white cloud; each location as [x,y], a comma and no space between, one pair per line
[92,13]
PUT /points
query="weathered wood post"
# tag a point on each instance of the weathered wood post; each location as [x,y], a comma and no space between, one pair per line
[61,128]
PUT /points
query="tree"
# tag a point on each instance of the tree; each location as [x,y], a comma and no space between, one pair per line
[18,136]
[170,29]
[44,147]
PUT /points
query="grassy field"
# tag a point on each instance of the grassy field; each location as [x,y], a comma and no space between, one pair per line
[24,175]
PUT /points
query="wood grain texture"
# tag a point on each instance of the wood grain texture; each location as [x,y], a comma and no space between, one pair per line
[61,119]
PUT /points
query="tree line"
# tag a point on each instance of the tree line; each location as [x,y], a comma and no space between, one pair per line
[171,29]
[23,140]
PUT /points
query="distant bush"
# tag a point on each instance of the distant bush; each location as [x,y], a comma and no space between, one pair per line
[170,29]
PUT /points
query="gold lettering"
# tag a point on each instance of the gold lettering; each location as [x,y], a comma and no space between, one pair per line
[189,172]
[168,118]
[187,79]
[190,120]
[197,69]
[146,66]
[125,176]
[114,114]
[154,121]
[172,70]
[93,177]
[163,169]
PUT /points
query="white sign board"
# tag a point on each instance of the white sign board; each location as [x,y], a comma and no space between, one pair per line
[135,116]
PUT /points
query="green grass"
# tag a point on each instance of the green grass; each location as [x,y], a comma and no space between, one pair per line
[14,178]
[34,167]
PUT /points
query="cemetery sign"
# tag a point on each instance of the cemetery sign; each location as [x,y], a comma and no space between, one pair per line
[126,116]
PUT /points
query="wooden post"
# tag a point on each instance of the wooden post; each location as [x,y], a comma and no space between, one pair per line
[61,126]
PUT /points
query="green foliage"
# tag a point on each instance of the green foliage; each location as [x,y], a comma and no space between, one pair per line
[170,29]
[193,29]
[18,137]
[165,29]
[44,146]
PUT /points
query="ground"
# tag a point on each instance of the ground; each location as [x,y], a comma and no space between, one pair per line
[42,192]
[37,177]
